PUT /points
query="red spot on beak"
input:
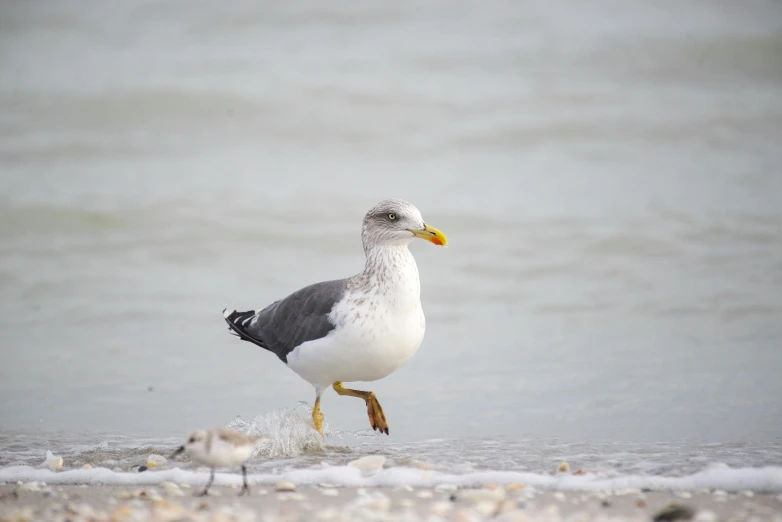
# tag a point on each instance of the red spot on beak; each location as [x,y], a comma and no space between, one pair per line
[436,241]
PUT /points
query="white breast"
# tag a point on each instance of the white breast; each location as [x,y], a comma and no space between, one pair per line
[380,326]
[220,453]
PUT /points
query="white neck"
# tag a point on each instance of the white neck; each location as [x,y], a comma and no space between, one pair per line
[391,270]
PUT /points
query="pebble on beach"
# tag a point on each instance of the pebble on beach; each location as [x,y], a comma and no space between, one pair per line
[171,489]
[377,502]
[705,515]
[166,510]
[440,508]
[564,467]
[283,486]
[674,512]
[121,512]
[477,496]
[720,495]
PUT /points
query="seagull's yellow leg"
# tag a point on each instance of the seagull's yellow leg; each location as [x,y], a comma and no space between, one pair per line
[376,416]
[317,416]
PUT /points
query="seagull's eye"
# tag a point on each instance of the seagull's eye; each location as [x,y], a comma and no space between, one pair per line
[192,440]
[392,216]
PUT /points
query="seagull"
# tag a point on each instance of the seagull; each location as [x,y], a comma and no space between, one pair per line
[362,328]
[220,448]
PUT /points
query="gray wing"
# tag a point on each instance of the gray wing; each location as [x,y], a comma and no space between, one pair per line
[289,322]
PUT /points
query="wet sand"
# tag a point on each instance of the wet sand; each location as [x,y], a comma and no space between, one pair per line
[170,502]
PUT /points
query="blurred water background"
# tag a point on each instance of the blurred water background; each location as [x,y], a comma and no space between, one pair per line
[608,174]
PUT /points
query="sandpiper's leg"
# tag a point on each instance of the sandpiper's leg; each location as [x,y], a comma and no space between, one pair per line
[317,415]
[245,487]
[206,489]
[376,416]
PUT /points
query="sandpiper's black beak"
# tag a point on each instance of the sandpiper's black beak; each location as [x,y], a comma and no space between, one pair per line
[179,450]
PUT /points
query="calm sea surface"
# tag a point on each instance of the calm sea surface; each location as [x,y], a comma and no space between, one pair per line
[608,174]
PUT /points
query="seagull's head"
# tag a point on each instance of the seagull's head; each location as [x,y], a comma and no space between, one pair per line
[397,222]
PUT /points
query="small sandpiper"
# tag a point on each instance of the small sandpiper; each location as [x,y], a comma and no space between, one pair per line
[220,448]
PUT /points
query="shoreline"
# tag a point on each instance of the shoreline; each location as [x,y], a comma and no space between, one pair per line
[513,503]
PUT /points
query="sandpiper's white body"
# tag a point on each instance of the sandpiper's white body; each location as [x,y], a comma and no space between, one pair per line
[217,452]
[380,324]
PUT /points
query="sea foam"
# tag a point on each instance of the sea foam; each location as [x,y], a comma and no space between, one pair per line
[767,479]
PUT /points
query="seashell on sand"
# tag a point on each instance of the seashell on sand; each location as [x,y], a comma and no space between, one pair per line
[53,462]
[368,465]
[154,460]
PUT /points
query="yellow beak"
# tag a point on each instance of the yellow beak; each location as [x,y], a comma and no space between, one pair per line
[430,234]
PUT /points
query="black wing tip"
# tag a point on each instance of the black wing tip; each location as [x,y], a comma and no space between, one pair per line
[235,320]
[232,316]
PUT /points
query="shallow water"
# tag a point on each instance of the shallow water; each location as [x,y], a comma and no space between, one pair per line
[292,445]
[608,176]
